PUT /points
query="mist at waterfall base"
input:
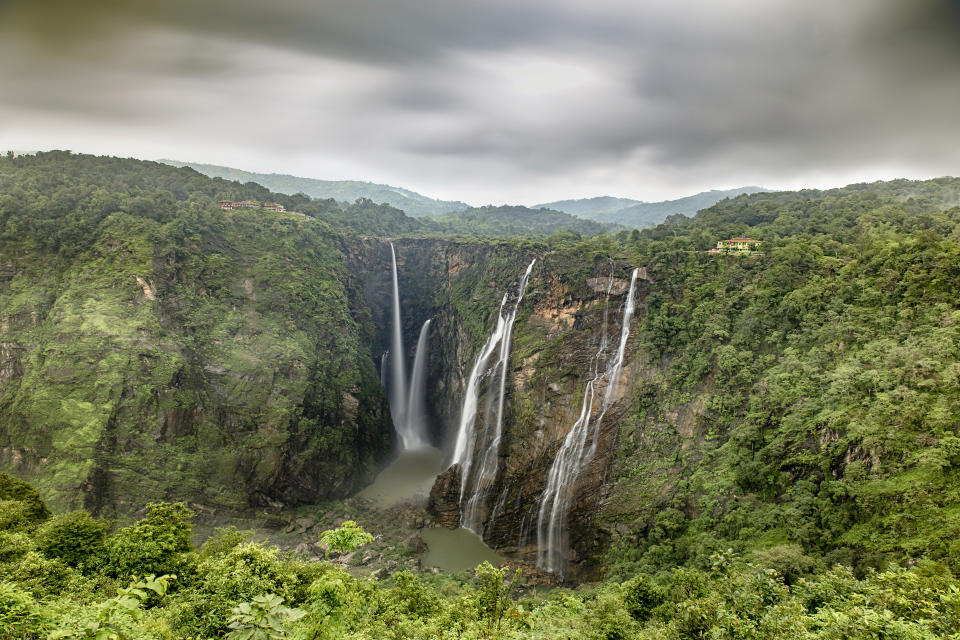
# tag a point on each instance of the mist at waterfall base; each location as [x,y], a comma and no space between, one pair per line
[574,454]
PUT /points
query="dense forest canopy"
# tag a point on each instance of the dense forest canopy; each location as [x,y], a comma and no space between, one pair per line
[786,466]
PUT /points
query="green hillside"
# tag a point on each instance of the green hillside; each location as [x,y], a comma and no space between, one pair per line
[153,343]
[808,396]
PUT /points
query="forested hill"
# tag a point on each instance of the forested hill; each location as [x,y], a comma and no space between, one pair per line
[410,202]
[634,213]
[809,396]
[509,220]
[142,329]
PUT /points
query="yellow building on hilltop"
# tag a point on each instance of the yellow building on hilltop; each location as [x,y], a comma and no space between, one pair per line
[740,246]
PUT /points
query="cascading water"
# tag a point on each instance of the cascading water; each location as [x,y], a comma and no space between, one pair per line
[415,423]
[478,475]
[384,375]
[574,454]
[398,381]
[406,402]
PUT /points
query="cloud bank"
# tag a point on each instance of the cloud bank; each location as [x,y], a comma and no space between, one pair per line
[498,101]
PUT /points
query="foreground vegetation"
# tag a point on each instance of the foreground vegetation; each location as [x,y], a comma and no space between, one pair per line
[72,576]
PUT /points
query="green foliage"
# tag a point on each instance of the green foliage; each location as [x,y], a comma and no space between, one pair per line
[805,397]
[41,576]
[347,537]
[641,597]
[116,618]
[788,560]
[20,616]
[75,538]
[263,619]
[241,590]
[223,540]
[338,190]
[494,587]
[223,580]
[20,504]
[161,346]
[14,545]
[517,221]
[156,544]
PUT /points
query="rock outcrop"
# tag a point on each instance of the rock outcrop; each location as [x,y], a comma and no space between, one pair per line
[444,503]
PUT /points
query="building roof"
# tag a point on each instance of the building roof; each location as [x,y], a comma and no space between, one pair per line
[741,240]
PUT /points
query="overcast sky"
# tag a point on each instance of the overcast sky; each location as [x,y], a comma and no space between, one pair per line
[518,101]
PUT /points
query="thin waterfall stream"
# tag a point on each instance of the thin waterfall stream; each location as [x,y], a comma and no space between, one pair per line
[574,454]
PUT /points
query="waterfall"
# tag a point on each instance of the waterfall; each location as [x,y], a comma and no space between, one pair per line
[383,369]
[415,426]
[574,455]
[479,467]
[397,389]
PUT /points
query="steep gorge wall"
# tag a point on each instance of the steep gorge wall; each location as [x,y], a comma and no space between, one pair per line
[214,359]
[557,332]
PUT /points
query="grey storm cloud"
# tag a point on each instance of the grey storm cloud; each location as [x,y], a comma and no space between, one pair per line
[495,100]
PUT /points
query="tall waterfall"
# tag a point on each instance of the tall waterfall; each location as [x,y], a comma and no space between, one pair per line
[406,402]
[574,454]
[398,378]
[476,452]
[415,425]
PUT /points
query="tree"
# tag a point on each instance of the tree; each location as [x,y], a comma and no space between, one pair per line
[347,537]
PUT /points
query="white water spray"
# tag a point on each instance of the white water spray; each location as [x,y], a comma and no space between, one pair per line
[574,455]
[476,451]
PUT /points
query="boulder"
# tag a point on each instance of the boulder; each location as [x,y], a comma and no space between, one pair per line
[415,542]
[302,525]
[444,502]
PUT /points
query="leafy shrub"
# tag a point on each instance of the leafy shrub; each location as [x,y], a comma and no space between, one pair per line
[247,571]
[20,504]
[76,538]
[223,540]
[788,560]
[43,576]
[118,617]
[19,614]
[641,597]
[263,619]
[492,599]
[412,597]
[14,545]
[152,545]
[347,537]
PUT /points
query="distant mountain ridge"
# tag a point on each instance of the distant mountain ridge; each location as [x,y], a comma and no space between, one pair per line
[411,202]
[516,220]
[636,213]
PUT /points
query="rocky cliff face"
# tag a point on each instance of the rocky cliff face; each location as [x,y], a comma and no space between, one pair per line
[224,364]
[556,335]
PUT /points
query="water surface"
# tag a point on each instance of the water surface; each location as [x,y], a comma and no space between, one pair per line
[410,476]
[456,549]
